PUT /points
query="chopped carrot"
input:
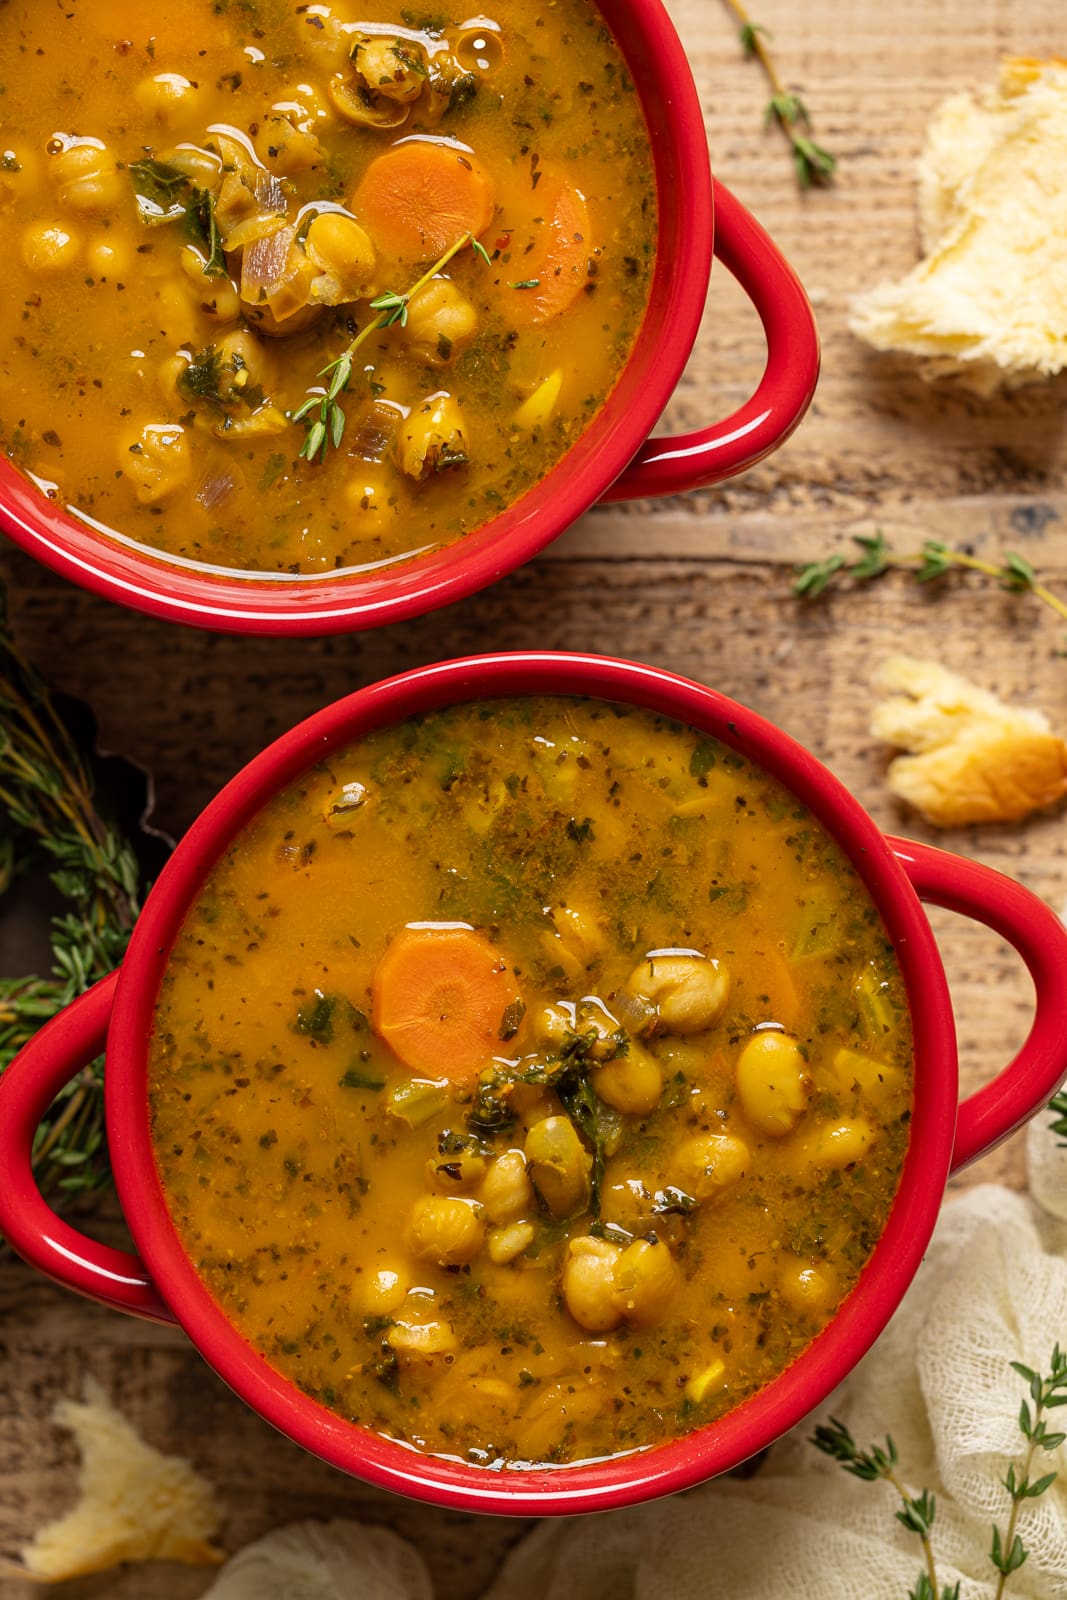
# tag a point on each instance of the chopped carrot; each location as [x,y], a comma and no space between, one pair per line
[776,981]
[420,197]
[439,996]
[549,256]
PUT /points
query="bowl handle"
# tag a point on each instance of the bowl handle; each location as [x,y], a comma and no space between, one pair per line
[693,460]
[1036,1072]
[55,1055]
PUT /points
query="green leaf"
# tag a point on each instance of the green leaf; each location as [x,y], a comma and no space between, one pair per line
[875,558]
[1018,573]
[817,576]
[748,34]
[159,190]
[936,561]
[354,1078]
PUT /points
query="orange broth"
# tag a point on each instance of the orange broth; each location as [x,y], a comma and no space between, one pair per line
[639,1111]
[201,228]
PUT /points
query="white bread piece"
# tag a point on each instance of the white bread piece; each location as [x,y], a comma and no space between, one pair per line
[988,303]
[973,758]
[134,1504]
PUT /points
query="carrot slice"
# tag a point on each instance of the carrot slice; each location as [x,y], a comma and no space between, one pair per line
[439,998]
[419,198]
[549,258]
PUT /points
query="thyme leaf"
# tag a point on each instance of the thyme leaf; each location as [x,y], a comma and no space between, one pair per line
[322,413]
[932,561]
[813,164]
[918,1511]
[49,812]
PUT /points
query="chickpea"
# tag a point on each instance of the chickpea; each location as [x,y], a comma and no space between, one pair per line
[632,1083]
[559,1166]
[458,1173]
[689,991]
[109,258]
[506,1192]
[712,1163]
[86,177]
[589,1284]
[420,1341]
[369,503]
[203,167]
[244,361]
[839,1144]
[447,1232]
[49,247]
[558,1023]
[506,1244]
[157,461]
[393,68]
[432,439]
[169,97]
[382,1292]
[342,250]
[218,297]
[772,1083]
[441,320]
[808,1287]
[645,1280]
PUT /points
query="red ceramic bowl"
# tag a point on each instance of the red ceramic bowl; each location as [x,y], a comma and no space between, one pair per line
[614,459]
[162,1283]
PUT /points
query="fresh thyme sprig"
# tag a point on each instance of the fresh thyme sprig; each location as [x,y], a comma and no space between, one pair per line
[813,164]
[47,811]
[917,1512]
[322,413]
[1058,1106]
[932,561]
[1007,1553]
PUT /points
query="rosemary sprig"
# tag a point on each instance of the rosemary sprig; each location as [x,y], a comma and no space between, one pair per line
[1007,1553]
[1058,1106]
[933,560]
[813,164]
[47,811]
[917,1512]
[321,413]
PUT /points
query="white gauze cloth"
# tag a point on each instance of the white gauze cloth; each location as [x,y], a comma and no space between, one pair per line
[992,1289]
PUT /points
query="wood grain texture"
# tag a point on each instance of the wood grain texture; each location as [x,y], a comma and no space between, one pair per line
[700,585]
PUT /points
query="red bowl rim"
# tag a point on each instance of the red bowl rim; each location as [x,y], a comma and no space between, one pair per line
[183,591]
[620,1480]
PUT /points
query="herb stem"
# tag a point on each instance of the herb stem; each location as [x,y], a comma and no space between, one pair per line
[321,412]
[813,164]
[924,1537]
[932,561]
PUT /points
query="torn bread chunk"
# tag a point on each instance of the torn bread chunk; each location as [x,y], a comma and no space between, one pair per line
[134,1503]
[972,758]
[988,303]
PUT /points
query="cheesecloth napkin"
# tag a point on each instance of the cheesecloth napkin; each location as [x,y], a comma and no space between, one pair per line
[992,1289]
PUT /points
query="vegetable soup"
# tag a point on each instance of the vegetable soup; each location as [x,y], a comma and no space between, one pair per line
[531,1080]
[299,288]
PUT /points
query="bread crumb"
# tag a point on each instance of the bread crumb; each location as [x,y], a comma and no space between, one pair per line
[134,1503]
[988,303]
[972,758]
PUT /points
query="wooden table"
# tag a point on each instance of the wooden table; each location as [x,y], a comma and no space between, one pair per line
[701,585]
